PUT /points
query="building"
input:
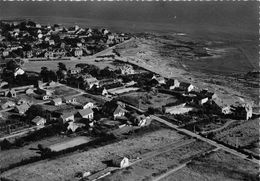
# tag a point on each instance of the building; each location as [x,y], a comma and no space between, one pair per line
[74,71]
[49,54]
[10,93]
[21,109]
[112,108]
[172,84]
[141,120]
[242,112]
[66,116]
[203,101]
[186,86]
[90,82]
[88,105]
[29,91]
[18,71]
[45,97]
[7,104]
[69,99]
[51,42]
[43,91]
[56,101]
[39,121]
[120,162]
[126,69]
[78,52]
[85,113]
[160,80]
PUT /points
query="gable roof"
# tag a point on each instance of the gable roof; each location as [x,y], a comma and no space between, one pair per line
[37,119]
[85,112]
[56,100]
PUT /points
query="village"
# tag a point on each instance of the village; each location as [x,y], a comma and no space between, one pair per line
[87,103]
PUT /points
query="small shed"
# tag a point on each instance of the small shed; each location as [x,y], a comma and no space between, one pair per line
[121,162]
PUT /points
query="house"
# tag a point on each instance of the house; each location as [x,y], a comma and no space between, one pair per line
[7,104]
[141,120]
[11,93]
[78,52]
[5,53]
[85,113]
[74,126]
[51,84]
[44,91]
[49,54]
[45,97]
[51,42]
[56,101]
[112,108]
[74,71]
[90,82]
[18,71]
[39,121]
[159,79]
[203,100]
[242,112]
[29,54]
[88,105]
[67,116]
[3,83]
[120,162]
[21,109]
[99,90]
[69,99]
[172,84]
[126,69]
[186,86]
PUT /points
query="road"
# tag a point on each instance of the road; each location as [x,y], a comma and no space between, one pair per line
[209,141]
[213,143]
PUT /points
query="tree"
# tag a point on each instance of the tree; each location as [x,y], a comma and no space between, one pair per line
[44,73]
[62,66]
[12,65]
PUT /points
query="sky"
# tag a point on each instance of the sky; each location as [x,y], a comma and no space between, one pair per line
[236,15]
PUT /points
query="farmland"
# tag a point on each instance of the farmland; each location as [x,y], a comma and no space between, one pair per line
[66,166]
[217,166]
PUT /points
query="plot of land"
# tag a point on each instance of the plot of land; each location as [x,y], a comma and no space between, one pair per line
[242,133]
[217,166]
[145,100]
[155,166]
[69,143]
[63,91]
[13,156]
[63,168]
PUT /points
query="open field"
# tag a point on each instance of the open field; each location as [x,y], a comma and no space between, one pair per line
[145,100]
[13,156]
[151,168]
[240,133]
[64,167]
[217,166]
[63,91]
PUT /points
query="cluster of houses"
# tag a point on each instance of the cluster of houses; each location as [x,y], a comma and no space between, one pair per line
[26,39]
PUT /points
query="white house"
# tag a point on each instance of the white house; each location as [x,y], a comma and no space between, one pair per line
[39,121]
[88,105]
[18,71]
[186,86]
[85,113]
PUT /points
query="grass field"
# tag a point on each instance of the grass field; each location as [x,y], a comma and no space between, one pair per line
[155,166]
[217,166]
[64,167]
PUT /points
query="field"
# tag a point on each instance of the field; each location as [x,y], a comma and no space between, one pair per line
[217,166]
[145,100]
[64,167]
[151,168]
[241,133]
[63,91]
[13,156]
